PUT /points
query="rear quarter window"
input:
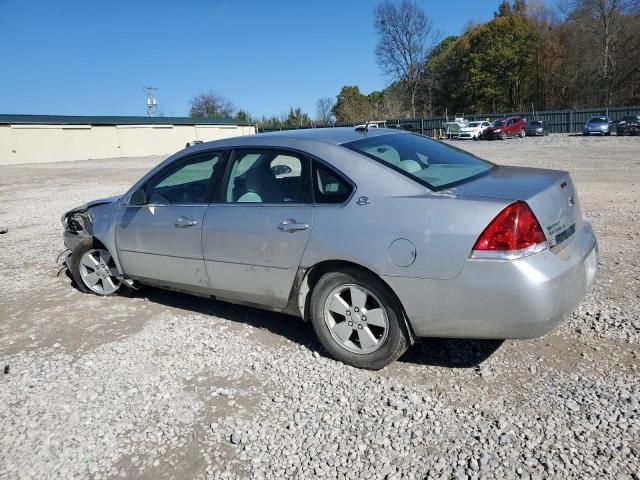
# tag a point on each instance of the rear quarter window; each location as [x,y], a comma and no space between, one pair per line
[428,162]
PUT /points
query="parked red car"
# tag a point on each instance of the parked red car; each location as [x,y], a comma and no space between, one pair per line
[504,128]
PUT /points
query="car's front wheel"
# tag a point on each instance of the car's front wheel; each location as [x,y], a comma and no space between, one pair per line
[522,133]
[357,319]
[503,136]
[94,270]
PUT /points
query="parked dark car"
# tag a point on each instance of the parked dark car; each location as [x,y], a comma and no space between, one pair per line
[505,127]
[600,125]
[629,125]
[535,128]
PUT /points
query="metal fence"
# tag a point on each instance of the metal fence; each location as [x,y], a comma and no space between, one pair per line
[556,121]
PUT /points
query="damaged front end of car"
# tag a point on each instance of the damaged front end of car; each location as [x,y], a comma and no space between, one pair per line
[93,219]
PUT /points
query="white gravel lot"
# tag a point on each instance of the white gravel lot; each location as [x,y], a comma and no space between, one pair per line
[168,386]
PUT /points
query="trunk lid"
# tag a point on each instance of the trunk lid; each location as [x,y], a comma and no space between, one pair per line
[550,194]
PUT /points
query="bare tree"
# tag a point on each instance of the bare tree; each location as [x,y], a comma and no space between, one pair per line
[211,105]
[611,31]
[406,35]
[324,110]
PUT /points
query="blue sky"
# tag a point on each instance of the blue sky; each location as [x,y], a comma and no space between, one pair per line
[73,57]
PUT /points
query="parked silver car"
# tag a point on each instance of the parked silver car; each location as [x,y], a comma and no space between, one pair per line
[600,125]
[376,236]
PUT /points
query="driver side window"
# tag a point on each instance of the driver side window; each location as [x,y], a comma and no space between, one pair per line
[187,182]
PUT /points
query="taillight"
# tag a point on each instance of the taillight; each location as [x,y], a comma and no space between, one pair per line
[514,233]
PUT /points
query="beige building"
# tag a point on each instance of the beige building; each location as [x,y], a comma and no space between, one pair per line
[52,138]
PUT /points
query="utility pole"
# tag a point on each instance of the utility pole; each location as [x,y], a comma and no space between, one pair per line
[152,102]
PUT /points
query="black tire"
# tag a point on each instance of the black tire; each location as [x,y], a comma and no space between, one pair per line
[608,134]
[503,136]
[74,266]
[396,341]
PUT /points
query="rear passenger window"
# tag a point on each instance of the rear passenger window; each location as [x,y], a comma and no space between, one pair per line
[328,186]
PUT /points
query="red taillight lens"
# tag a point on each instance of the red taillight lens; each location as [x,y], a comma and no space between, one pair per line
[515,228]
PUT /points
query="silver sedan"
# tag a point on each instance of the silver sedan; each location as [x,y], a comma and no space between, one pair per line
[375,236]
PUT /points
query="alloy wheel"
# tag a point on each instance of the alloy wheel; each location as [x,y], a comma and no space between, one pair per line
[356,318]
[98,271]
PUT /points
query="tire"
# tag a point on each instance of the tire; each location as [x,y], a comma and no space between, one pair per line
[503,136]
[608,134]
[79,269]
[522,133]
[476,138]
[333,292]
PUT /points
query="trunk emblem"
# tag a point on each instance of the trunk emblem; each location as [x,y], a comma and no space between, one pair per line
[362,201]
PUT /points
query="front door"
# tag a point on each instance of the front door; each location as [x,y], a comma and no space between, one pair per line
[161,240]
[254,238]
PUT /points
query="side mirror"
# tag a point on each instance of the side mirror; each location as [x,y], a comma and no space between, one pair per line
[280,170]
[138,197]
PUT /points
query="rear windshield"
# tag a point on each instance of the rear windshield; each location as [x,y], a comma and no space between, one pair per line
[429,162]
[497,123]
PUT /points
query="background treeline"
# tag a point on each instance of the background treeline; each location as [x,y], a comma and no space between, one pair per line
[579,53]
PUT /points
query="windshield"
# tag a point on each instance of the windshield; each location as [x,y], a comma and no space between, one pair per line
[429,162]
[535,123]
[598,120]
[498,123]
[474,124]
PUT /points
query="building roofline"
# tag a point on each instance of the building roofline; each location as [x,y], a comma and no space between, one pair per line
[20,119]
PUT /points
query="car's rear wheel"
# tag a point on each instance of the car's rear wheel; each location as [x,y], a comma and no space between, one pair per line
[94,270]
[357,319]
[503,136]
[522,133]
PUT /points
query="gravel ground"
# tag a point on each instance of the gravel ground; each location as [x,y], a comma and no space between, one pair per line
[168,386]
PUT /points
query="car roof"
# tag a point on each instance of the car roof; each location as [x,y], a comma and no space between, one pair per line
[330,135]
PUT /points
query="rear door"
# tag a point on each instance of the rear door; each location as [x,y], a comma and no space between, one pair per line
[161,241]
[254,236]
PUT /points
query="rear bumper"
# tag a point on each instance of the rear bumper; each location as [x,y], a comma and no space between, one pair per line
[503,299]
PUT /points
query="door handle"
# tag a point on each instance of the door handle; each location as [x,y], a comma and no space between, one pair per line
[289,225]
[184,222]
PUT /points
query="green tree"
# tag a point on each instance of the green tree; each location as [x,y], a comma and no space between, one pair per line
[446,78]
[376,105]
[351,105]
[297,118]
[243,116]
[501,62]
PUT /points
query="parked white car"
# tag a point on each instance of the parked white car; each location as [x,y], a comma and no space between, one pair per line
[473,130]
